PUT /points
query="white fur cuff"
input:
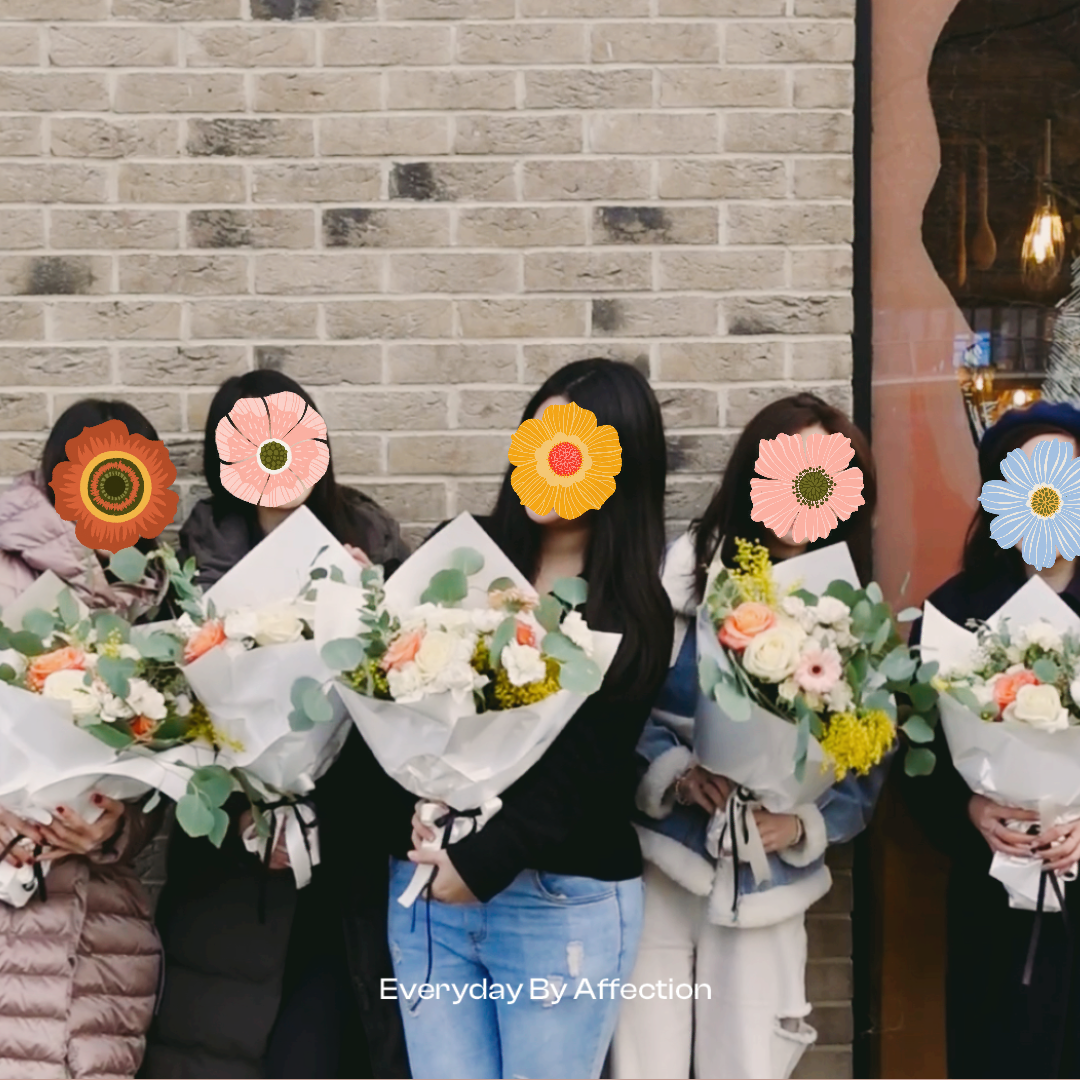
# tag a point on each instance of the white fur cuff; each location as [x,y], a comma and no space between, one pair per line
[656,792]
[815,839]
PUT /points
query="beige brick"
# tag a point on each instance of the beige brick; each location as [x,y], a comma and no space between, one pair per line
[833,1024]
[390,319]
[182,182]
[183,275]
[829,980]
[686,408]
[655,316]
[397,10]
[452,89]
[53,366]
[824,178]
[23,412]
[451,363]
[25,91]
[789,223]
[463,455]
[453,181]
[113,46]
[20,46]
[19,455]
[317,92]
[376,46]
[183,365]
[788,133]
[824,88]
[53,10]
[523,318]
[570,180]
[253,319]
[824,360]
[721,86]
[68,182]
[822,268]
[790,42]
[235,137]
[410,502]
[588,9]
[21,321]
[357,455]
[496,134]
[825,9]
[381,136]
[299,274]
[476,496]
[20,136]
[577,88]
[102,137]
[699,453]
[540,361]
[525,226]
[318,9]
[686,499]
[655,224]
[720,361]
[434,272]
[788,314]
[265,228]
[55,275]
[724,178]
[152,91]
[588,271]
[176,10]
[187,456]
[321,181]
[829,936]
[23,229]
[522,43]
[722,270]
[318,365]
[115,320]
[250,46]
[363,227]
[486,409]
[654,133]
[114,229]
[162,410]
[386,410]
[724,8]
[655,43]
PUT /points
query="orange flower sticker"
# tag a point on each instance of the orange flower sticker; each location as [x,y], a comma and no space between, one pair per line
[565,462]
[273,450]
[115,487]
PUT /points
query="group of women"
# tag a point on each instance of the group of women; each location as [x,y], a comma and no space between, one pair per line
[596,867]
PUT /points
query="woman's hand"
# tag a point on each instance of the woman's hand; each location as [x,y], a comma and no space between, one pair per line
[22,854]
[279,857]
[71,834]
[990,817]
[447,885]
[357,554]
[420,831]
[697,786]
[778,831]
[1060,846]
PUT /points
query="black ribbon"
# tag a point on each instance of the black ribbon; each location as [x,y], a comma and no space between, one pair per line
[735,820]
[1036,929]
[39,872]
[271,844]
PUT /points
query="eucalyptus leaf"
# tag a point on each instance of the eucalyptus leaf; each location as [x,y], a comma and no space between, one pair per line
[504,634]
[129,565]
[1046,671]
[501,585]
[337,574]
[468,560]
[300,687]
[318,573]
[68,608]
[729,698]
[220,828]
[447,587]
[923,696]
[151,804]
[549,612]
[110,736]
[966,698]
[116,673]
[843,591]
[194,816]
[909,614]
[317,706]
[802,746]
[807,598]
[26,643]
[927,671]
[919,761]
[39,622]
[881,637]
[7,673]
[342,654]
[917,730]
[571,590]
[5,637]
[559,646]
[159,646]
[580,675]
[299,721]
[883,700]
[107,623]
[214,783]
[899,665]
[708,674]
[873,592]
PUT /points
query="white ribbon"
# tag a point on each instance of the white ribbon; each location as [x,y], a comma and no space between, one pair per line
[461,825]
[18,883]
[298,821]
[736,822]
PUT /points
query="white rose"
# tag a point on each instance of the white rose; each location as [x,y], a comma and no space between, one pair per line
[789,688]
[186,625]
[437,650]
[1041,634]
[1038,707]
[278,626]
[183,705]
[577,630]
[523,664]
[485,620]
[460,678]
[774,654]
[14,660]
[69,686]
[405,683]
[830,611]
[840,698]
[144,700]
[241,624]
[796,609]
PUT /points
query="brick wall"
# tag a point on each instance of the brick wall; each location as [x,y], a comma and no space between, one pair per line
[419,208]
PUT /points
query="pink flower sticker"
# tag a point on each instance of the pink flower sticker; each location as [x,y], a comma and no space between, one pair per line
[273,450]
[808,486]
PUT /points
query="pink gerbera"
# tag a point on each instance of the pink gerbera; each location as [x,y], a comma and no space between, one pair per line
[273,449]
[818,671]
[808,486]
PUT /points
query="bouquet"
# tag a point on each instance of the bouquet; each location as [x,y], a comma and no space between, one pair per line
[458,683]
[1010,709]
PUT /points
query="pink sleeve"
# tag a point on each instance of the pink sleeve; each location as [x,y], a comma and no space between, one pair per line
[15,577]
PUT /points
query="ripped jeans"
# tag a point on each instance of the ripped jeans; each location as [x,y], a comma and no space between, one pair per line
[514,989]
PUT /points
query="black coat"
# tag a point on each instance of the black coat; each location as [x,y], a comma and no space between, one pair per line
[995,1027]
[262,979]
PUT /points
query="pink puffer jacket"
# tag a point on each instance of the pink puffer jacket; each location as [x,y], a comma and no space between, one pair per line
[78,971]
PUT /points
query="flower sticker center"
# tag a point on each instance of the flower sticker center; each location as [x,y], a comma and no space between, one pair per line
[564,462]
[1038,503]
[115,487]
[809,488]
[273,450]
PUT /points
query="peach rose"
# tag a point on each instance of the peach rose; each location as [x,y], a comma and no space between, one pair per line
[402,650]
[208,636]
[142,727]
[1007,686]
[525,635]
[41,667]
[744,624]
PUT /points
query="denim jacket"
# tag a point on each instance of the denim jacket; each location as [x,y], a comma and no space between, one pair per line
[673,836]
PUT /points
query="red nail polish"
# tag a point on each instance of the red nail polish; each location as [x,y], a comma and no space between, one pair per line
[61,810]
[97,800]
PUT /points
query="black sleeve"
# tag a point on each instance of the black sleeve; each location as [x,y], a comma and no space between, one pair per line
[556,796]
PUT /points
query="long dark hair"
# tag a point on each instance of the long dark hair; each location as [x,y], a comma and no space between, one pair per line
[728,515]
[626,545]
[326,500]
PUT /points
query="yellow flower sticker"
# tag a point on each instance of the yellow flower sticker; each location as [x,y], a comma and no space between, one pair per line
[565,462]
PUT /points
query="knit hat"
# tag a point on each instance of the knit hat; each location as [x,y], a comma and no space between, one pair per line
[1041,418]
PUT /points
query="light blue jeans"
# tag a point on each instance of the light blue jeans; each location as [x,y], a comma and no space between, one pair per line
[520,986]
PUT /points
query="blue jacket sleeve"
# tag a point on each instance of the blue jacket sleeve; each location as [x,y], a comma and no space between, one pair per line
[848,805]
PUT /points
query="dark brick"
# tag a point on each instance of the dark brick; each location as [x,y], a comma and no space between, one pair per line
[349,226]
[219,228]
[52,275]
[634,224]
[231,137]
[607,315]
[416,180]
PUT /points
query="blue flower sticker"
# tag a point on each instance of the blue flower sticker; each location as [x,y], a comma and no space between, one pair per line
[1038,502]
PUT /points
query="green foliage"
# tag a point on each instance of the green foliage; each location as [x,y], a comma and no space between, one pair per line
[559,646]
[580,675]
[573,591]
[111,735]
[199,811]
[68,608]
[918,761]
[129,565]
[917,729]
[448,587]
[115,673]
[504,634]
[549,613]
[343,654]
[468,560]
[730,698]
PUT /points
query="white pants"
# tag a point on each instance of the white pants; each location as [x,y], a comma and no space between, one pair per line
[752,1027]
